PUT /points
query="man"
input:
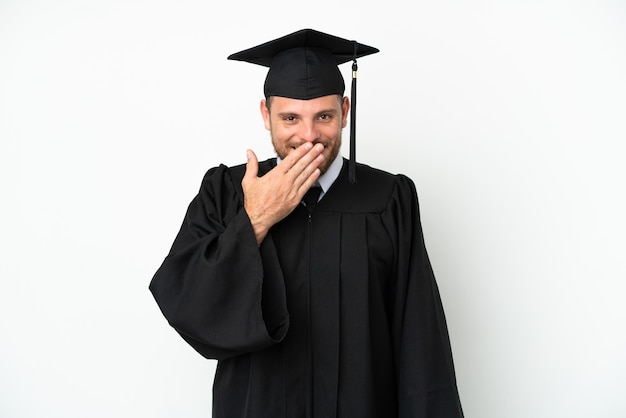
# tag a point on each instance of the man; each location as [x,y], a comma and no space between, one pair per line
[314,306]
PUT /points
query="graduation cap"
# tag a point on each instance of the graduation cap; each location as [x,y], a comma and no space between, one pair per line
[304,65]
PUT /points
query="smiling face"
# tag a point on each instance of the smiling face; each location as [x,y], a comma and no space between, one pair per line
[293,122]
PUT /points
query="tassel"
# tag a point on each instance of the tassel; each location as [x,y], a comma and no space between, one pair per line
[352,163]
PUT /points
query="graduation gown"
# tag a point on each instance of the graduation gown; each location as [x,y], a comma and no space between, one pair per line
[336,314]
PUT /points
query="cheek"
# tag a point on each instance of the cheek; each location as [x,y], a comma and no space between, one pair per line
[280,140]
[281,131]
[333,133]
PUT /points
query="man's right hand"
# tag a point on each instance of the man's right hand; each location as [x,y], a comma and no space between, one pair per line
[270,198]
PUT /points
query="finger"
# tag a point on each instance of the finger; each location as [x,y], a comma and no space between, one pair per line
[302,156]
[252,165]
[309,182]
[294,156]
[310,161]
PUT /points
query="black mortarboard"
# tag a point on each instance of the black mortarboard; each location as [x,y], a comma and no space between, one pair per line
[303,65]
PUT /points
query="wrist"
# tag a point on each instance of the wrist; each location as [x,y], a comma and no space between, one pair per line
[259,227]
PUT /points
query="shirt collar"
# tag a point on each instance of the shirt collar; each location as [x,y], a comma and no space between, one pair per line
[328,178]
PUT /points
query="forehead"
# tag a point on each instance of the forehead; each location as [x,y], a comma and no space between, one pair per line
[324,103]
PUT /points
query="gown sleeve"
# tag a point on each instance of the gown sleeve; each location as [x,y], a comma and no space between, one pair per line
[222,293]
[424,366]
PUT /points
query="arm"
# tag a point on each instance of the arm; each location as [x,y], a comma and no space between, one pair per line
[221,286]
[424,366]
[212,283]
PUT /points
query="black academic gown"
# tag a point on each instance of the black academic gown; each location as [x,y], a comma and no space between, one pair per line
[336,314]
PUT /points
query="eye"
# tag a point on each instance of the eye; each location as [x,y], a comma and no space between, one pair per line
[325,116]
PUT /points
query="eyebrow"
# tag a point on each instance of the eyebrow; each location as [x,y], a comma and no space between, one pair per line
[321,112]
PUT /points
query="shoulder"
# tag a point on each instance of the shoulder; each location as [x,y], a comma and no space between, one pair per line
[236,173]
[389,186]
[371,176]
[224,178]
[373,192]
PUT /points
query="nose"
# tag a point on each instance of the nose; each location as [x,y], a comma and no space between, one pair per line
[308,131]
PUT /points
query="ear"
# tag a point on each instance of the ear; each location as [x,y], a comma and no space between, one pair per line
[265,113]
[345,108]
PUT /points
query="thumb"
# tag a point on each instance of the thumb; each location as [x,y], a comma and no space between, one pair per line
[252,165]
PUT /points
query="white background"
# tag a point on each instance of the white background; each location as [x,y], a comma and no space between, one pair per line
[509,117]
